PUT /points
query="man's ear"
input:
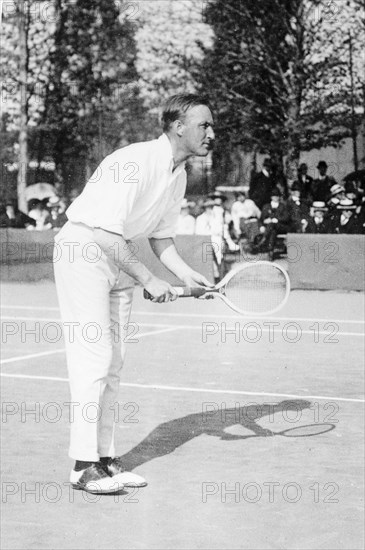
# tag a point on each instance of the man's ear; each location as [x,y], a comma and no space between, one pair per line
[179,127]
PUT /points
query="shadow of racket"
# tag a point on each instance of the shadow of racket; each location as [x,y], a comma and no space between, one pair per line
[307,430]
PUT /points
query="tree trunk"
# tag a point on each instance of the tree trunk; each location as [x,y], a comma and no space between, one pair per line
[23,122]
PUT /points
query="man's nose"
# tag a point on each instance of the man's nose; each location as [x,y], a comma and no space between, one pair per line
[211,134]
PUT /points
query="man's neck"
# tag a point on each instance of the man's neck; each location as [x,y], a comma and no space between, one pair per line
[178,154]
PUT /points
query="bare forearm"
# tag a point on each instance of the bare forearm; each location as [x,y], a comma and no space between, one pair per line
[166,251]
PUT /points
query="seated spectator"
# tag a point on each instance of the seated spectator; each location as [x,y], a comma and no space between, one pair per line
[242,210]
[262,184]
[40,214]
[57,208]
[346,220]
[275,219]
[337,193]
[304,181]
[186,222]
[298,209]
[318,221]
[15,218]
[322,185]
[4,220]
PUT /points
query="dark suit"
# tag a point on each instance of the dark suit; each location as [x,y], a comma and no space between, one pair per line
[314,227]
[260,189]
[273,229]
[297,212]
[352,227]
[320,190]
[305,183]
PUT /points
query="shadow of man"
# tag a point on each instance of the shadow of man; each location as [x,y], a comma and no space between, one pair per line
[213,421]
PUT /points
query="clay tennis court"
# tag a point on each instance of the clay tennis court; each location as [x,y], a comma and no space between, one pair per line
[209,412]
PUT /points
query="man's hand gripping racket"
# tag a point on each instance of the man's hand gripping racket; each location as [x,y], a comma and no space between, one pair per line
[259,288]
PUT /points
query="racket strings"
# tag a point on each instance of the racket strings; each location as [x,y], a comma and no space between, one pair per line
[257,289]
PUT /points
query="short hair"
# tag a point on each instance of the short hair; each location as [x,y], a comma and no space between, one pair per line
[177,106]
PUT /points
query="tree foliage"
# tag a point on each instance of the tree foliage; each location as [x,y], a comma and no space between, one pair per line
[278,74]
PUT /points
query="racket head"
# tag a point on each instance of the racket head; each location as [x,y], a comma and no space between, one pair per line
[259,288]
[308,430]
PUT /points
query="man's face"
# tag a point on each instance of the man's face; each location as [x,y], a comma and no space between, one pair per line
[303,170]
[322,170]
[295,194]
[198,134]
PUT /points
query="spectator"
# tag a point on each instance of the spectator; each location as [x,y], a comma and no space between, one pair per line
[322,185]
[318,221]
[279,179]
[298,210]
[40,214]
[13,217]
[262,185]
[57,208]
[4,220]
[242,210]
[337,193]
[209,224]
[346,220]
[186,222]
[275,219]
[305,182]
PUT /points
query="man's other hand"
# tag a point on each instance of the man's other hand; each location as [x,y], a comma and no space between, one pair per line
[193,279]
[161,290]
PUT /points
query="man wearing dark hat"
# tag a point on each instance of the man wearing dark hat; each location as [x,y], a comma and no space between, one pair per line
[262,184]
[322,185]
[304,182]
[275,219]
[298,209]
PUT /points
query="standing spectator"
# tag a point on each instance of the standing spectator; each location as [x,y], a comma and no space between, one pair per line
[298,209]
[322,185]
[185,222]
[304,181]
[262,185]
[16,218]
[318,221]
[346,220]
[275,219]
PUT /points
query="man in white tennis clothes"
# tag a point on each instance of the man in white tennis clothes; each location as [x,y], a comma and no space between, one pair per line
[136,191]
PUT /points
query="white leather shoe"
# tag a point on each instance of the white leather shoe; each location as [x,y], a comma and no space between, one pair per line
[128,479]
[96,480]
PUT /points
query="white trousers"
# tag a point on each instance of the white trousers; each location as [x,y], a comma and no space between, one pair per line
[95,300]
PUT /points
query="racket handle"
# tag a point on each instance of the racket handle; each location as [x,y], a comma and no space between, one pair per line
[182,291]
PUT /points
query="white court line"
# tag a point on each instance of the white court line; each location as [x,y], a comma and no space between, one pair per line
[199,327]
[205,315]
[30,356]
[198,390]
[44,353]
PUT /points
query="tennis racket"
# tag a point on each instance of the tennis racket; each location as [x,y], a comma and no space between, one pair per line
[260,288]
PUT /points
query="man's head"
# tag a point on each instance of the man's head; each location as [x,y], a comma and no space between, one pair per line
[187,119]
[303,169]
[322,167]
[241,196]
[267,165]
[295,191]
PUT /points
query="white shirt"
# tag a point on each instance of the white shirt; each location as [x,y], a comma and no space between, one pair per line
[246,209]
[134,192]
[208,224]
[185,225]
